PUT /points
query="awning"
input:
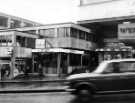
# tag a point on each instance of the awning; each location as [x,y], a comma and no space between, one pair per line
[56,50]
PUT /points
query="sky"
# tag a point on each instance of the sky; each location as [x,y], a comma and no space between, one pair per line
[42,11]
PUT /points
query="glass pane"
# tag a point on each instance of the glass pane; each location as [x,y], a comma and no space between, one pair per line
[61,32]
[73,33]
[127,66]
[82,35]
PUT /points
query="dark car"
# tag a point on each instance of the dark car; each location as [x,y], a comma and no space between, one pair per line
[114,76]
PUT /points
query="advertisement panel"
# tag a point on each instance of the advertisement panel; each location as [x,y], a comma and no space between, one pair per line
[126,31]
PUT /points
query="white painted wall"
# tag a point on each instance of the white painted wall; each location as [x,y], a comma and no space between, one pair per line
[106,10]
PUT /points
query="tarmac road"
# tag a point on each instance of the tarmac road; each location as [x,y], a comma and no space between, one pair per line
[63,97]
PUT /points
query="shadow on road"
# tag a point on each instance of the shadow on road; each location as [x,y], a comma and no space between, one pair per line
[124,98]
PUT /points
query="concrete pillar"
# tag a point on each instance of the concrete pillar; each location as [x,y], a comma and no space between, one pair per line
[68,63]
[81,60]
[9,22]
[33,63]
[56,32]
[58,63]
[13,57]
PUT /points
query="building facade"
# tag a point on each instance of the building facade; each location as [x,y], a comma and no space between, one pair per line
[112,22]
[61,48]
[10,22]
[16,49]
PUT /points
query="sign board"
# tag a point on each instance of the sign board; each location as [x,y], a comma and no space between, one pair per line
[40,43]
[126,31]
[23,52]
[4,51]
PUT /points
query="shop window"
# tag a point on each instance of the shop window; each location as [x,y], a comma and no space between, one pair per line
[20,41]
[75,60]
[86,60]
[50,63]
[48,32]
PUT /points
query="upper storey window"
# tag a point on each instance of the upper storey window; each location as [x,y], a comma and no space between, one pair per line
[47,32]
[63,32]
[87,2]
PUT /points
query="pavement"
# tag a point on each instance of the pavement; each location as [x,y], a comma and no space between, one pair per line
[28,86]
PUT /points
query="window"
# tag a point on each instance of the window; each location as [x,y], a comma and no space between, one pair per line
[127,66]
[82,35]
[3,21]
[109,68]
[30,31]
[48,32]
[63,32]
[88,37]
[21,41]
[74,33]
[5,40]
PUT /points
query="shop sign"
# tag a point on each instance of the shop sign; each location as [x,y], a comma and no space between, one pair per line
[4,51]
[23,52]
[40,43]
[126,31]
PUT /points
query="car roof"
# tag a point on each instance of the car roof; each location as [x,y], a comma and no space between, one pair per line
[119,60]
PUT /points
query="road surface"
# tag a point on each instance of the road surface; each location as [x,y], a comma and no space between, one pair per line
[62,97]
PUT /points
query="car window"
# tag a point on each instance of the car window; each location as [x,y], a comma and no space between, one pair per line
[127,66]
[108,68]
[112,68]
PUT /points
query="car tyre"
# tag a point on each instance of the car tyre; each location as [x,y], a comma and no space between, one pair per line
[85,93]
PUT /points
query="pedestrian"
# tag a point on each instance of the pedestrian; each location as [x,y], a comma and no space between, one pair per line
[40,70]
[3,72]
[27,70]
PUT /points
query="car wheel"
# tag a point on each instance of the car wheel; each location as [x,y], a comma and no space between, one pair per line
[85,93]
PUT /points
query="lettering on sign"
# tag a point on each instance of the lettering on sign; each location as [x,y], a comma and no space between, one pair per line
[127,30]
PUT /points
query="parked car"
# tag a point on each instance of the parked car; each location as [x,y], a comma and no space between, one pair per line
[113,76]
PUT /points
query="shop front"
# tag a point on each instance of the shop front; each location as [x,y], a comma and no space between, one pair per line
[16,48]
[114,50]
[59,62]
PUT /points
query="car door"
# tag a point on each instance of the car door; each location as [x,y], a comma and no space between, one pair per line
[111,79]
[128,69]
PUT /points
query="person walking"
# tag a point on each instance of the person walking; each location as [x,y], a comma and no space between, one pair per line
[40,70]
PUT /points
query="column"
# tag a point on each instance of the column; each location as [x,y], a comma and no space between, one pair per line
[13,57]
[33,61]
[58,63]
[81,60]
[68,63]
[9,22]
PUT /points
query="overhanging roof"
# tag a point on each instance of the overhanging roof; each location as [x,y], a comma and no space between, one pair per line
[112,19]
